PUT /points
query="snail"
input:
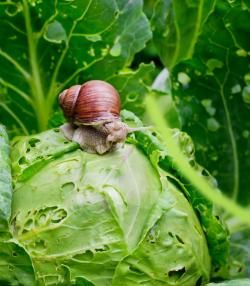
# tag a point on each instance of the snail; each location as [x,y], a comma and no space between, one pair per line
[93,114]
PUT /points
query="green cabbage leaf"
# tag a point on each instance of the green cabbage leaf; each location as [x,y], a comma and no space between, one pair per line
[86,218]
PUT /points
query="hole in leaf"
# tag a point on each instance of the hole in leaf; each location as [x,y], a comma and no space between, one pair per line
[176,273]
[192,163]
[39,244]
[22,161]
[12,10]
[29,224]
[135,270]
[11,267]
[131,97]
[171,234]
[42,219]
[67,187]
[86,256]
[25,231]
[33,142]
[59,215]
[14,254]
[240,269]
[82,282]
[44,215]
[199,282]
[102,249]
[216,269]
[205,173]
[179,239]
[153,235]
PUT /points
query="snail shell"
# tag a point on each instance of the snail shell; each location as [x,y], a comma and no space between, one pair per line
[93,102]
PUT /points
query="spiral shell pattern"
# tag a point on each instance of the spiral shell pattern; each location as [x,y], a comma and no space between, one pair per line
[94,101]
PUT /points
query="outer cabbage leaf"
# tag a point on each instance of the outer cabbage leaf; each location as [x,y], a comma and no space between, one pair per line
[211,91]
[215,230]
[80,215]
[16,267]
[5,183]
[168,240]
[45,46]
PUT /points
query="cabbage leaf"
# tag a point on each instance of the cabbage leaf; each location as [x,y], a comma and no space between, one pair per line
[215,229]
[81,214]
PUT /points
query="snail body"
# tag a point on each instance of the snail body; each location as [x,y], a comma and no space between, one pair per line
[93,114]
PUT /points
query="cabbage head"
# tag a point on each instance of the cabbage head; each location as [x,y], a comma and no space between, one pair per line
[115,219]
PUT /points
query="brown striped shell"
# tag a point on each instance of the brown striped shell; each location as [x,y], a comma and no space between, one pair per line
[94,101]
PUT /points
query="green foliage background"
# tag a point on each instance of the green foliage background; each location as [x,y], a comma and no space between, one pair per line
[46,46]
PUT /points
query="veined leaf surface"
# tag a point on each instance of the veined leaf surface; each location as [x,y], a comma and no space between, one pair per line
[212,93]
[176,27]
[48,45]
